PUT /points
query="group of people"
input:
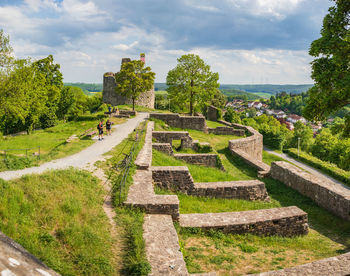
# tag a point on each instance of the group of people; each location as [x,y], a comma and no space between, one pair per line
[100,129]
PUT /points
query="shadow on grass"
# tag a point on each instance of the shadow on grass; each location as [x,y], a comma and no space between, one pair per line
[237,162]
[320,219]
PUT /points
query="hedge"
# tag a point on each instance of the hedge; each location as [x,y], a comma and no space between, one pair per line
[324,166]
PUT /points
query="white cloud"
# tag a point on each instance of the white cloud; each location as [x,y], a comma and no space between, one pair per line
[81,11]
[278,9]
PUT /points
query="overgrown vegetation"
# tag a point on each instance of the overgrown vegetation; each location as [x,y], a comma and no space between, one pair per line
[58,217]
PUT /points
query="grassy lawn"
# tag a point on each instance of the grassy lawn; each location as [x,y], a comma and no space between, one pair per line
[52,142]
[58,217]
[241,254]
[212,124]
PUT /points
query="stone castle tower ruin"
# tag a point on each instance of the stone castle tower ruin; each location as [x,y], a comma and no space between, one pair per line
[110,96]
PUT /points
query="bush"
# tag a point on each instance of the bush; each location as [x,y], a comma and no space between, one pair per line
[324,166]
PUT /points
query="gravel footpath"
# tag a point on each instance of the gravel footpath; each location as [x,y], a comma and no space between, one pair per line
[86,157]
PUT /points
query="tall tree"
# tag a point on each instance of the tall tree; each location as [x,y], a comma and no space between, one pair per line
[330,69]
[5,53]
[191,81]
[133,79]
[53,85]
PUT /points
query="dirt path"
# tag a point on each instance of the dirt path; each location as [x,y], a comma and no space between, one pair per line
[85,157]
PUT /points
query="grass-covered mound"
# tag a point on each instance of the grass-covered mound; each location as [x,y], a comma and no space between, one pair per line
[58,217]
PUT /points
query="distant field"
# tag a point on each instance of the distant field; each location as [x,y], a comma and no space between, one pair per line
[263,95]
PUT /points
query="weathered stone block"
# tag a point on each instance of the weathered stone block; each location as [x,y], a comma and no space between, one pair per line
[163,147]
[162,246]
[185,122]
[247,190]
[326,194]
[288,221]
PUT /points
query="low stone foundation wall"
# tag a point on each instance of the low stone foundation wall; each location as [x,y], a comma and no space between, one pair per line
[226,131]
[169,136]
[141,195]
[205,159]
[163,147]
[328,195]
[144,159]
[178,178]
[250,149]
[252,145]
[286,222]
[162,246]
[335,266]
[127,112]
[173,178]
[185,122]
[247,190]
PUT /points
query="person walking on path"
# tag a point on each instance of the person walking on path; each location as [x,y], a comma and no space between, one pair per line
[108,127]
[100,130]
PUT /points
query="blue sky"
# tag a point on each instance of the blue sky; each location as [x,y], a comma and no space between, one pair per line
[245,41]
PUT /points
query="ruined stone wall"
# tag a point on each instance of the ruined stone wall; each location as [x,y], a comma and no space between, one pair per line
[178,178]
[109,96]
[226,131]
[286,222]
[212,113]
[169,136]
[247,190]
[205,159]
[328,195]
[173,178]
[163,147]
[252,145]
[185,122]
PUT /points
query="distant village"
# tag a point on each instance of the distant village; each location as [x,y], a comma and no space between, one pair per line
[260,108]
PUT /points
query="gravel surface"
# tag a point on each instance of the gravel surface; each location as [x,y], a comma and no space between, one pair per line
[86,157]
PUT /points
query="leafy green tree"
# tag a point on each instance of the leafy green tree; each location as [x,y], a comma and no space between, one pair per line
[53,87]
[191,82]
[330,69]
[133,79]
[324,144]
[22,98]
[304,133]
[5,53]
[232,116]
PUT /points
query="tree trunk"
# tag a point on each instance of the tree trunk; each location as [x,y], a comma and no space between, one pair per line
[133,104]
[191,99]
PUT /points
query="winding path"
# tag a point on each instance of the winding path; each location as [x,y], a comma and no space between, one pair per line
[305,167]
[86,157]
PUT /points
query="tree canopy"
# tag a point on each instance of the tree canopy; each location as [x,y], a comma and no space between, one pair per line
[191,82]
[330,69]
[133,79]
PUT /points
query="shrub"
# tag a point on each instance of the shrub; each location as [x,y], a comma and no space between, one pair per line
[324,166]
